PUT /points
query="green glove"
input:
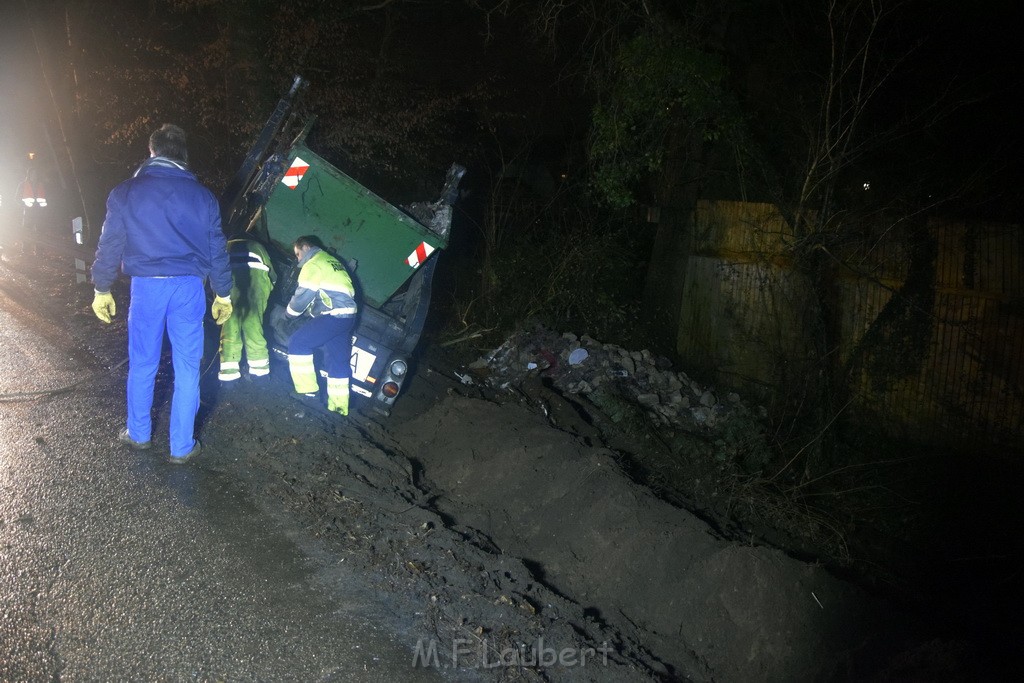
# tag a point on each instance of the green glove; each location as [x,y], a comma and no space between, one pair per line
[103,306]
[221,309]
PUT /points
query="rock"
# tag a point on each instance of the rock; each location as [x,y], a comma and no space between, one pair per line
[618,409]
[627,386]
[667,411]
[581,387]
[704,416]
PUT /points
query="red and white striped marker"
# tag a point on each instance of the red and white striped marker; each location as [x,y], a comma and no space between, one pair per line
[420,255]
[295,172]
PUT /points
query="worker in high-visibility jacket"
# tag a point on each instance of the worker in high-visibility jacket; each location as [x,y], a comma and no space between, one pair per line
[33,199]
[33,194]
[326,293]
[252,279]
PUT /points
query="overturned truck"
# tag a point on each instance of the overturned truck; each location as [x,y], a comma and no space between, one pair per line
[284,190]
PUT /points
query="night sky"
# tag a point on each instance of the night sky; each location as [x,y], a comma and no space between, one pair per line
[973,52]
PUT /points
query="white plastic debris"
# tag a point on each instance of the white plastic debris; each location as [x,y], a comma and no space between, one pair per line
[578,356]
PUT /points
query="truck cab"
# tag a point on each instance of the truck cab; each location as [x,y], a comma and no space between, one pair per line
[286,190]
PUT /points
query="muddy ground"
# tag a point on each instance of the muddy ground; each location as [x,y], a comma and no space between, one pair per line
[480,520]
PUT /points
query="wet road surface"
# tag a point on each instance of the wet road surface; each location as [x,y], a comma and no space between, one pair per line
[117,566]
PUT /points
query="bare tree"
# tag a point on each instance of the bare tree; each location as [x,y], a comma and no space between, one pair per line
[841,127]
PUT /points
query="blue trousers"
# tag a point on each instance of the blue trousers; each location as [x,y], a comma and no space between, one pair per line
[334,335]
[178,305]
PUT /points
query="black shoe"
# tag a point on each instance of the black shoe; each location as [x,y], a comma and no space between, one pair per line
[185,458]
[127,440]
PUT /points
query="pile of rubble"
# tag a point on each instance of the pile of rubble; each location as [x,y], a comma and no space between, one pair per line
[619,382]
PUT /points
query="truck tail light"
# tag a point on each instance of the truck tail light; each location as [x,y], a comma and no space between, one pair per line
[390,389]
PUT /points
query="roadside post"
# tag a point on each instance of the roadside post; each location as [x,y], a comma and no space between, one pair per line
[81,274]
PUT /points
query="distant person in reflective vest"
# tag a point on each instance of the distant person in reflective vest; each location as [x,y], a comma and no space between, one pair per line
[33,194]
[253,279]
[324,292]
[33,199]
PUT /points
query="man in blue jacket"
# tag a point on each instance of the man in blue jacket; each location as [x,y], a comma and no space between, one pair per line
[163,229]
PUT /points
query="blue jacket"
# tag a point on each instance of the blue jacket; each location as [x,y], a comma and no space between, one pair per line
[162,222]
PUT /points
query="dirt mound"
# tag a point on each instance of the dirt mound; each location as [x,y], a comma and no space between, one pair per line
[705,607]
[347,482]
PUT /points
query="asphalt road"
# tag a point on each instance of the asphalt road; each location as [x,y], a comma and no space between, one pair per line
[116,566]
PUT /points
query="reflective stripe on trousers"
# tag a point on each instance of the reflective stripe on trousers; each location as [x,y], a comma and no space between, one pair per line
[337,394]
[229,371]
[303,373]
[259,368]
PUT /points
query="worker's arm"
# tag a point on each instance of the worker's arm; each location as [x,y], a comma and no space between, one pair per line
[220,263]
[305,291]
[300,301]
[111,245]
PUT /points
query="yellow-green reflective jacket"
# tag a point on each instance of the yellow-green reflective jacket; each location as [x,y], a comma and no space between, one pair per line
[324,287]
[250,255]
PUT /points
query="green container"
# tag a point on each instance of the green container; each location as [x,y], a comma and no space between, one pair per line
[383,245]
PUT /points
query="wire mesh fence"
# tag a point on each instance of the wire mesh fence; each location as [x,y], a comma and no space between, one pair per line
[929,320]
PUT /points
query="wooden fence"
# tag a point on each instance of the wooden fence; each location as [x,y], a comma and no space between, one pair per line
[930,322]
